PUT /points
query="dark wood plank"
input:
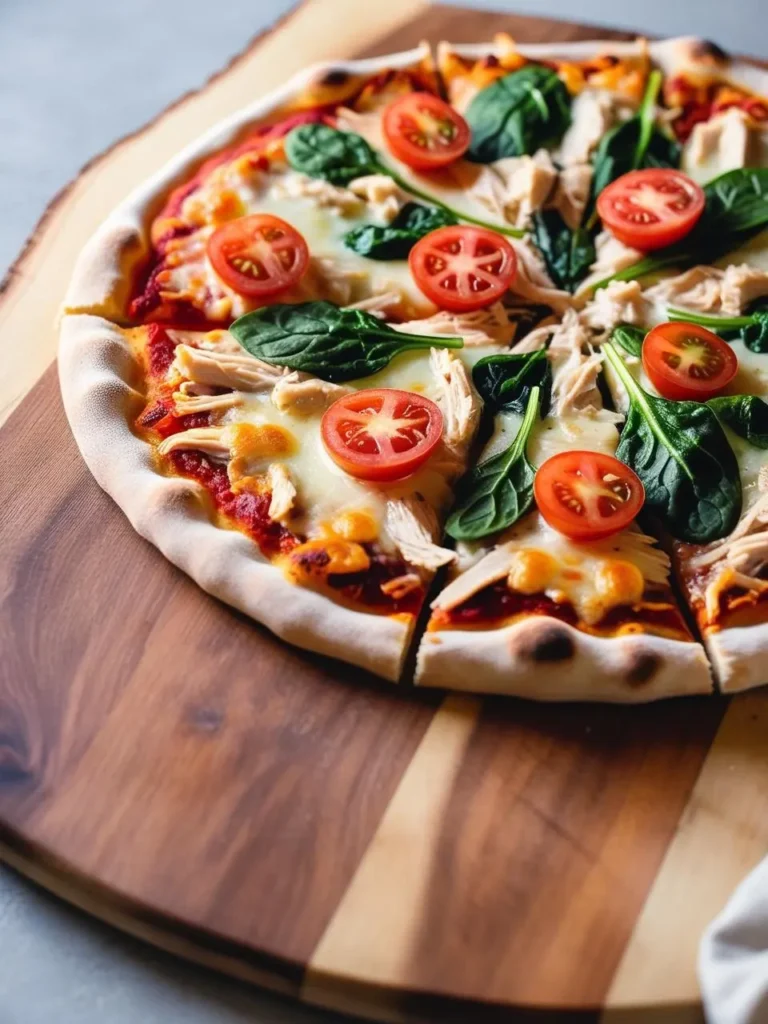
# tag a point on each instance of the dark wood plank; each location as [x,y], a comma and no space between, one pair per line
[161,744]
[556,827]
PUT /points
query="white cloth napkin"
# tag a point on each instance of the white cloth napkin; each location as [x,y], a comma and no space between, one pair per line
[733,958]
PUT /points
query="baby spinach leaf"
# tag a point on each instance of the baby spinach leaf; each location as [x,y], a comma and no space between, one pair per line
[752,328]
[505,381]
[517,114]
[339,157]
[682,455]
[632,144]
[395,240]
[494,495]
[629,338]
[324,152]
[746,415]
[736,209]
[567,254]
[327,341]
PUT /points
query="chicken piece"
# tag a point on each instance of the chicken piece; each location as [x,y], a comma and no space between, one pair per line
[532,282]
[620,302]
[457,399]
[294,185]
[490,569]
[612,256]
[300,393]
[480,327]
[741,286]
[328,278]
[193,398]
[593,112]
[283,493]
[382,305]
[571,193]
[211,441]
[697,289]
[236,370]
[718,145]
[574,368]
[512,188]
[384,197]
[366,123]
[413,527]
[212,341]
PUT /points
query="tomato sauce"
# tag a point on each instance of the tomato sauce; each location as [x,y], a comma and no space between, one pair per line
[496,604]
[365,587]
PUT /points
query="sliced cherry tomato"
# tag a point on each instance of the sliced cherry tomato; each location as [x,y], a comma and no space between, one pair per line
[463,268]
[424,131]
[259,256]
[652,208]
[587,495]
[380,433]
[685,361]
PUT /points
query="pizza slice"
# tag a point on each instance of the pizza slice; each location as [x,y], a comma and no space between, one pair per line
[557,593]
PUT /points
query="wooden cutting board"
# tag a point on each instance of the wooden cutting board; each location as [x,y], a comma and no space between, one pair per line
[168,765]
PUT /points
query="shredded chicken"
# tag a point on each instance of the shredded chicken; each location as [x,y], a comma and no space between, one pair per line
[294,185]
[400,586]
[522,185]
[575,368]
[493,567]
[366,123]
[382,305]
[711,290]
[456,397]
[533,282]
[571,193]
[384,197]
[617,303]
[720,144]
[741,286]
[212,341]
[335,282]
[283,493]
[593,112]
[612,256]
[480,327]
[413,527]
[303,394]
[236,370]
[187,401]
[212,441]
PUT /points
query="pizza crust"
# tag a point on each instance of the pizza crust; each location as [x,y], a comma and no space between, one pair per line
[542,658]
[98,374]
[739,656]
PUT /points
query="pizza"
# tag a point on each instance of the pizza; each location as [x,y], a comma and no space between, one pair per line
[462,355]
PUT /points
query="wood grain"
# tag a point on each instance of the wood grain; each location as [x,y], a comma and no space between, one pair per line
[170,766]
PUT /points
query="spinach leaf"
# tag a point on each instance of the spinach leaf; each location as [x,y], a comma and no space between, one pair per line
[736,209]
[326,341]
[568,254]
[629,338]
[752,328]
[494,495]
[517,114]
[505,381]
[746,415]
[631,145]
[682,455]
[324,152]
[395,240]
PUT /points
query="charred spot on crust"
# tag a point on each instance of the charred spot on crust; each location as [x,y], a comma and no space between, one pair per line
[546,643]
[706,50]
[641,667]
[491,61]
[333,78]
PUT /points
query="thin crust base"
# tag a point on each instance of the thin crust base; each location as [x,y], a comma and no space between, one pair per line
[739,656]
[544,659]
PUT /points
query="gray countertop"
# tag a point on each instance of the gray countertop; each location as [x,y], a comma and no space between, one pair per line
[64,65]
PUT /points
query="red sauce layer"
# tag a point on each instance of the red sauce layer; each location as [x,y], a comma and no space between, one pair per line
[491,607]
[365,587]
